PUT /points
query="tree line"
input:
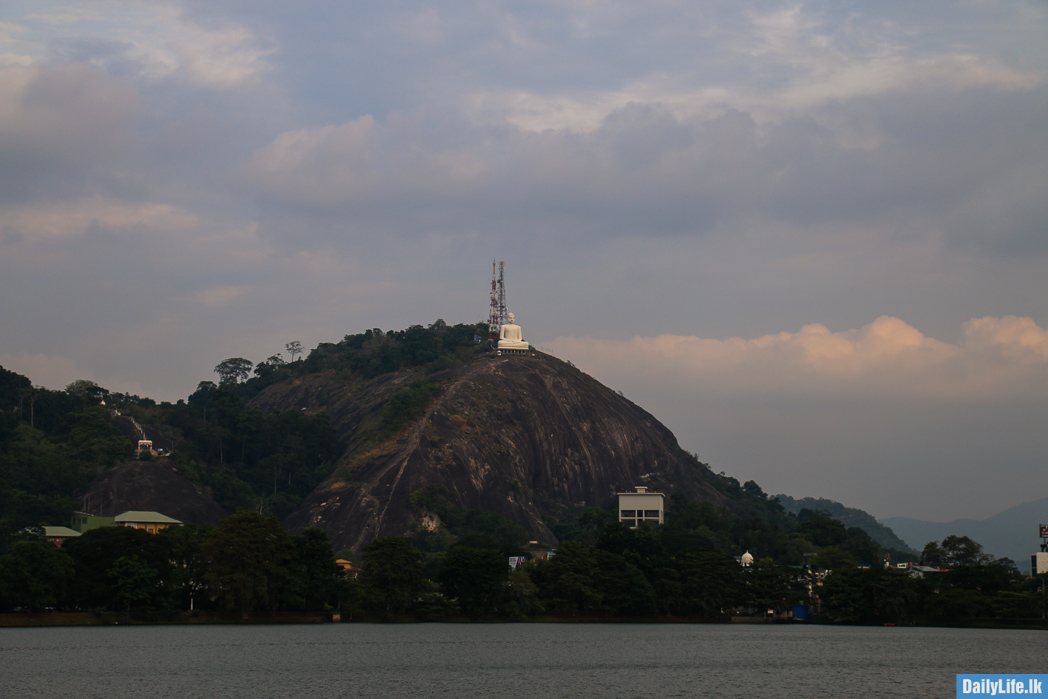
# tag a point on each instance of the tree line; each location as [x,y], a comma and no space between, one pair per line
[249,564]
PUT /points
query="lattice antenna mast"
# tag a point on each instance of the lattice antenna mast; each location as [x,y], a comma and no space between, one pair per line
[497,314]
[493,313]
[503,315]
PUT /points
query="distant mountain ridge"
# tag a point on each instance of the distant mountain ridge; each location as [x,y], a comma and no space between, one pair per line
[852,517]
[1008,534]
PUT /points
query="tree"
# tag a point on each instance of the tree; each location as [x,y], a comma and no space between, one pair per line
[846,596]
[247,557]
[768,585]
[520,597]
[710,581]
[313,573]
[34,575]
[475,577]
[233,370]
[269,366]
[88,390]
[618,538]
[895,596]
[133,579]
[835,558]
[954,551]
[569,580]
[183,547]
[95,552]
[622,586]
[932,555]
[964,551]
[293,348]
[392,574]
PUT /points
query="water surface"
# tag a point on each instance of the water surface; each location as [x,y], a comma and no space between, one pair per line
[505,660]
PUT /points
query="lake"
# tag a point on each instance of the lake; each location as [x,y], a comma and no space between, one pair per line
[505,660]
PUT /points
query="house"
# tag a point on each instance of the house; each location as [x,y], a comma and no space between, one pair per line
[151,522]
[348,569]
[83,522]
[58,535]
[641,506]
[925,571]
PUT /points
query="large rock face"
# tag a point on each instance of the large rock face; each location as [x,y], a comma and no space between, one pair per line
[153,486]
[523,436]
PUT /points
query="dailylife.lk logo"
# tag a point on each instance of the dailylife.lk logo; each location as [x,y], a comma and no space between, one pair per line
[997,685]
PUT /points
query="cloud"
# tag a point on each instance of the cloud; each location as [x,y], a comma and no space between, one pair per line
[997,359]
[880,417]
[645,171]
[62,130]
[219,296]
[785,60]
[186,180]
[65,219]
[148,40]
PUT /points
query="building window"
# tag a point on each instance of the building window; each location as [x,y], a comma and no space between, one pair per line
[629,513]
[651,514]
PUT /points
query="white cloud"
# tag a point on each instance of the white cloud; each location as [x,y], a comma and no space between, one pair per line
[363,162]
[57,220]
[687,97]
[157,39]
[880,417]
[997,359]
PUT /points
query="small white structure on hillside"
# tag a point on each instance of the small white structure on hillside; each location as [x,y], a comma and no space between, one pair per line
[641,506]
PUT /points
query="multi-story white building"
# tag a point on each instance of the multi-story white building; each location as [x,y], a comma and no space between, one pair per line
[1039,561]
[641,506]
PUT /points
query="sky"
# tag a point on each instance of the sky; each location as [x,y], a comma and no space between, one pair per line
[809,237]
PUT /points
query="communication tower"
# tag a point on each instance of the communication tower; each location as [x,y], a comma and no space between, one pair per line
[497,317]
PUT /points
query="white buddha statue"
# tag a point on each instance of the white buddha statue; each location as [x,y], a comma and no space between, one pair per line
[510,336]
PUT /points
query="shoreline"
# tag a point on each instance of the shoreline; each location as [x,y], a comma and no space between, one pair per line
[61,619]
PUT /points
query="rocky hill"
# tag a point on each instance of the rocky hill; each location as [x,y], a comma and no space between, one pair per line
[151,486]
[526,437]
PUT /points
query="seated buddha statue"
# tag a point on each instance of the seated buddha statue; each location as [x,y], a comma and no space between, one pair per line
[510,336]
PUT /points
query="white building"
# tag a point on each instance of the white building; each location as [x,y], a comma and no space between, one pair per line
[1039,562]
[641,506]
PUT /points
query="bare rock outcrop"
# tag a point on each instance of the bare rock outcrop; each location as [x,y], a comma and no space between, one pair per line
[526,437]
[151,486]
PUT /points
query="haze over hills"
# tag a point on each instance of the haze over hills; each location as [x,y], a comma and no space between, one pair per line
[1008,534]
